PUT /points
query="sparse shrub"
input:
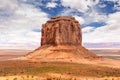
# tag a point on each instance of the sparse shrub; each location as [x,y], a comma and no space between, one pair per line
[74,79]
[32,76]
[15,79]
[49,78]
[21,72]
[15,74]
[22,77]
[27,76]
[112,78]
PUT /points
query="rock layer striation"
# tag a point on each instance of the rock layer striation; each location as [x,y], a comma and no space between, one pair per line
[62,30]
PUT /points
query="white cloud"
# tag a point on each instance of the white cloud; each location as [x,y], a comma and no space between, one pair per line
[18,29]
[8,4]
[87,7]
[87,29]
[107,33]
[94,16]
[82,5]
[67,12]
[102,5]
[80,19]
[51,5]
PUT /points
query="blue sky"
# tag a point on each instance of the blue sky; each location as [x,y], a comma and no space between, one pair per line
[21,20]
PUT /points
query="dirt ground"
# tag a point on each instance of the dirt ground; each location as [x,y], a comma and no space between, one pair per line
[27,70]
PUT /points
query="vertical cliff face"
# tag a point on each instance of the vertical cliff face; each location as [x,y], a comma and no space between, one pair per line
[61,41]
[62,30]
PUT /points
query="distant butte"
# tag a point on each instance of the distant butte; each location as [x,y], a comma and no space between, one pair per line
[62,42]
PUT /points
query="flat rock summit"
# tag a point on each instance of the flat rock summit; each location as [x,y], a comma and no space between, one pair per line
[61,42]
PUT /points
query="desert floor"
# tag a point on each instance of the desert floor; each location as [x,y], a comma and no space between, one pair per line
[6,54]
[107,53]
[25,70]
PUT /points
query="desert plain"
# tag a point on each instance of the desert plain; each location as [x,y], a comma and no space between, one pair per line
[11,69]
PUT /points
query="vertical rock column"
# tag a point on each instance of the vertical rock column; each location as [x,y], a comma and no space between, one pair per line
[63,30]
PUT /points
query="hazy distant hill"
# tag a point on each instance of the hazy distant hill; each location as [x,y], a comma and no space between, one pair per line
[102,45]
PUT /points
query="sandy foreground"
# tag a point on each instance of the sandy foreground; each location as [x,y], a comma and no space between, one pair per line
[54,76]
[56,71]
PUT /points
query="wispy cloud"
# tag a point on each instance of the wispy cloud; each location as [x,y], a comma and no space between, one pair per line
[107,33]
[18,28]
[51,5]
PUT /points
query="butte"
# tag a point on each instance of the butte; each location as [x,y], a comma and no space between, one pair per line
[61,42]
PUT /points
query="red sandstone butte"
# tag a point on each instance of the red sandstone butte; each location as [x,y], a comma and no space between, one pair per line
[61,31]
[62,42]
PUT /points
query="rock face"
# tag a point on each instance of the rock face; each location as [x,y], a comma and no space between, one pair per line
[61,41]
[62,30]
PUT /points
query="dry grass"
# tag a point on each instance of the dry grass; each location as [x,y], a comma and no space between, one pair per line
[31,77]
[32,68]
[25,70]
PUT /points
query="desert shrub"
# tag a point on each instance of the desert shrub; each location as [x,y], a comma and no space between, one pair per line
[27,76]
[49,78]
[22,77]
[15,79]
[32,76]
[75,79]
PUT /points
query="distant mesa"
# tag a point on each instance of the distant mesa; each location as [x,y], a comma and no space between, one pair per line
[61,42]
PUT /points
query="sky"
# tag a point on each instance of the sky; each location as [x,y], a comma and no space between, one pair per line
[21,20]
